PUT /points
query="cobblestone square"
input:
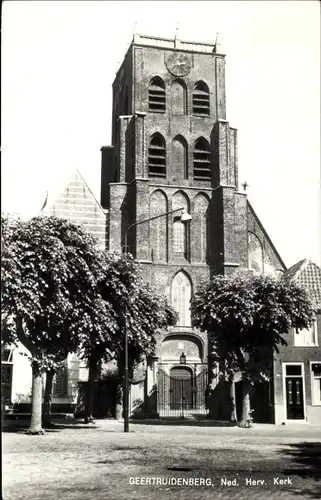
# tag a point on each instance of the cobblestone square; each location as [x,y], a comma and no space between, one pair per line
[163,462]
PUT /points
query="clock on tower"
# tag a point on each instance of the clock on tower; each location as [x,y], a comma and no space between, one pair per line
[178,64]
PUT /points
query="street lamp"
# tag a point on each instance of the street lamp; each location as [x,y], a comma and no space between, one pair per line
[185,217]
[182,359]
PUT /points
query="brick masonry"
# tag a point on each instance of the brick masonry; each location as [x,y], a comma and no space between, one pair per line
[218,236]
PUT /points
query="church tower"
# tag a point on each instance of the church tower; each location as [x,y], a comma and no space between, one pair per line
[172,148]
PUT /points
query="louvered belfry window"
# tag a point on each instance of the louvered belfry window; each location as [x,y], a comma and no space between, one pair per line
[157,156]
[156,95]
[202,161]
[201,99]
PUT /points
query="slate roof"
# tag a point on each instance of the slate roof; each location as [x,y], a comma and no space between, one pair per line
[78,204]
[307,275]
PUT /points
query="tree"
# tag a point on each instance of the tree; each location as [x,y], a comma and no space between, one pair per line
[136,306]
[50,270]
[247,318]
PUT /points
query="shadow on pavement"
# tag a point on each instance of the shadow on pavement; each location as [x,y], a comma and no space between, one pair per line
[22,427]
[305,463]
[183,421]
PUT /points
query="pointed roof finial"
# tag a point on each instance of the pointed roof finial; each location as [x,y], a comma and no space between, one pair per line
[134,31]
[176,33]
[217,45]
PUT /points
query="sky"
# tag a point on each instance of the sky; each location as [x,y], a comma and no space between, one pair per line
[58,63]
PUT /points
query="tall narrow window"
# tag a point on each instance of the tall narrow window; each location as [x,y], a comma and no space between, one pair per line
[201,99]
[181,296]
[202,162]
[157,156]
[179,236]
[156,95]
[180,229]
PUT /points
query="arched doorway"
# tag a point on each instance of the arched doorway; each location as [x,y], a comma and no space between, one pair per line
[181,395]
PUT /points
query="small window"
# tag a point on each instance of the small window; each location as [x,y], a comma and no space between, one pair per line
[156,95]
[157,156]
[316,383]
[201,99]
[6,355]
[293,370]
[306,337]
[179,236]
[202,162]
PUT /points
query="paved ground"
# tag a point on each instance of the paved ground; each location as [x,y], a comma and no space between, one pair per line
[183,462]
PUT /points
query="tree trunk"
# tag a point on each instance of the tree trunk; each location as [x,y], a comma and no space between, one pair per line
[36,403]
[119,401]
[46,419]
[246,418]
[93,365]
[233,401]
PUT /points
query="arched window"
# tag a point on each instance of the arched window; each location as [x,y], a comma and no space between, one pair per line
[178,98]
[202,162]
[181,296]
[157,156]
[179,236]
[179,158]
[156,95]
[180,229]
[201,99]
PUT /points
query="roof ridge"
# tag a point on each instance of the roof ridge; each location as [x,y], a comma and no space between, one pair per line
[52,202]
[99,205]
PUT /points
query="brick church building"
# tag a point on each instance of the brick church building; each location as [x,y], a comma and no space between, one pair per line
[173,151]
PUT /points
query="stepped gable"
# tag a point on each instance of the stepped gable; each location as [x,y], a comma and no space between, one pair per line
[308,275]
[78,204]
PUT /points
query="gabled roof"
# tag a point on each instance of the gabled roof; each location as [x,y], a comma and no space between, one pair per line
[268,239]
[78,204]
[307,274]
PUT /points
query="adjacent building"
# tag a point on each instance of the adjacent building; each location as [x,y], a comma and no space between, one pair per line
[297,367]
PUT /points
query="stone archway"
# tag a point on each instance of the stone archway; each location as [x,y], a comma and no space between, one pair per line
[182,376]
[181,385]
